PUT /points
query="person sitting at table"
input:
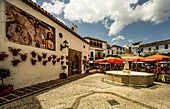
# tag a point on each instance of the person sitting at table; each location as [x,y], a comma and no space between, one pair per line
[157,72]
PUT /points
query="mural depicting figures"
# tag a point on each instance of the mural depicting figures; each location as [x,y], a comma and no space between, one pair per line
[25,29]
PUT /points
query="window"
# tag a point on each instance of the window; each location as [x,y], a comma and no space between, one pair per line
[91,54]
[100,44]
[112,51]
[97,44]
[157,47]
[83,46]
[166,46]
[94,43]
[91,43]
[149,49]
[141,49]
[98,54]
[103,54]
[60,35]
[108,51]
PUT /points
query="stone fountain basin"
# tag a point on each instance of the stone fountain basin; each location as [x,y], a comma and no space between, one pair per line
[133,78]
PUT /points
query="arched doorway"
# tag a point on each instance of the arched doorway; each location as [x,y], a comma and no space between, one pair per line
[75,65]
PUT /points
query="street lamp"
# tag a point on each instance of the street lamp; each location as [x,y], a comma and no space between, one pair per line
[64,45]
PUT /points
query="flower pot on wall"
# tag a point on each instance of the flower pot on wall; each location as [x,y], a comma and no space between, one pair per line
[54,61]
[39,57]
[44,55]
[14,51]
[15,61]
[67,62]
[3,55]
[63,75]
[62,62]
[49,58]
[23,56]
[62,57]
[33,54]
[45,62]
[33,61]
[67,57]
[58,59]
[54,56]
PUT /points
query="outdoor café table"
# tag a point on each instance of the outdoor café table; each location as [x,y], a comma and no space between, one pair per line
[163,77]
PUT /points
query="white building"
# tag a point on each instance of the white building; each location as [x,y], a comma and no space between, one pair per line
[158,46]
[27,28]
[99,49]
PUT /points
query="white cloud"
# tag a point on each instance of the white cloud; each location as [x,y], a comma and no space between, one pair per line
[119,12]
[145,38]
[34,1]
[106,24]
[130,40]
[118,38]
[116,42]
[56,7]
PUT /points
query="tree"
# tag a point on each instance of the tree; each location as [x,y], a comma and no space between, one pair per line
[3,74]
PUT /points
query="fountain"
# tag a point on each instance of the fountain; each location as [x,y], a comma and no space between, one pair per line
[127,77]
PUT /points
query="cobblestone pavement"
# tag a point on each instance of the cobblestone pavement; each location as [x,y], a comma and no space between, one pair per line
[92,92]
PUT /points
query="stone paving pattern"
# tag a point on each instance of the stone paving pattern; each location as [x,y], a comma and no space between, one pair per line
[93,92]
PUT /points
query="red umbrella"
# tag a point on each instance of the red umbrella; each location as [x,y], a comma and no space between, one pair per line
[157,57]
[136,59]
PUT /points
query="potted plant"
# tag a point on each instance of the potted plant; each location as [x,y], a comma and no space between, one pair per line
[62,62]
[44,55]
[15,61]
[54,61]
[39,57]
[3,55]
[14,51]
[67,57]
[63,75]
[49,58]
[33,61]
[58,59]
[23,56]
[54,56]
[62,57]
[33,54]
[4,73]
[44,62]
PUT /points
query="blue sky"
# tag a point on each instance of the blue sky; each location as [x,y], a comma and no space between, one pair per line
[118,22]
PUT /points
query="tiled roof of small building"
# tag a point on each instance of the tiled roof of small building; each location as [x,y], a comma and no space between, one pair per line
[92,38]
[156,43]
[117,46]
[44,12]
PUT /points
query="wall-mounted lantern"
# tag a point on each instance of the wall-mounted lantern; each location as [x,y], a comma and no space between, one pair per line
[64,45]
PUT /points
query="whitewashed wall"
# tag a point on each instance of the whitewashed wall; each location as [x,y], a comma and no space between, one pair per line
[25,74]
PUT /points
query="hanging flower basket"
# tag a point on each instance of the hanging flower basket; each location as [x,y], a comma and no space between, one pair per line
[84,61]
[67,57]
[54,56]
[15,61]
[14,51]
[85,56]
[58,59]
[3,55]
[23,56]
[45,62]
[62,62]
[33,54]
[49,58]
[44,55]
[62,57]
[63,75]
[33,61]
[54,61]
[39,57]
[67,62]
